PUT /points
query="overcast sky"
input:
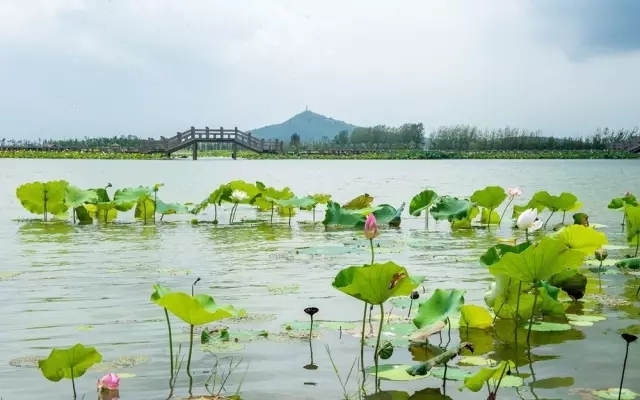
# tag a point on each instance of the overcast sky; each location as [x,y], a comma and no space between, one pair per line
[152,67]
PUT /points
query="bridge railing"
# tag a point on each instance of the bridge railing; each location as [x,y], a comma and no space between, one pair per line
[213,135]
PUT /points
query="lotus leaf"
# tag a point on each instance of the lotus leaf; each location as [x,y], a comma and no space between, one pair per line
[76,197]
[477,381]
[547,304]
[615,394]
[262,201]
[484,217]
[170,208]
[476,317]
[495,253]
[422,202]
[629,263]
[195,310]
[632,214]
[394,372]
[451,209]
[619,202]
[571,282]
[360,202]
[581,219]
[69,363]
[564,202]
[43,197]
[294,202]
[538,262]
[466,222]
[490,197]
[145,209]
[440,306]
[375,283]
[582,238]
[128,198]
[82,214]
[335,215]
[505,295]
[103,212]
[249,189]
[321,198]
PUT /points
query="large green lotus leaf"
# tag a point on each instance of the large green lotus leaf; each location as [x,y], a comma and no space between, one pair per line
[441,305]
[159,291]
[358,203]
[76,197]
[170,208]
[629,263]
[495,253]
[375,283]
[538,262]
[145,209]
[547,304]
[69,363]
[477,381]
[570,281]
[126,199]
[336,215]
[451,208]
[490,197]
[422,202]
[632,226]
[195,310]
[564,202]
[43,197]
[294,202]
[82,214]
[252,192]
[103,212]
[386,214]
[484,217]
[103,195]
[582,238]
[506,299]
[619,202]
[466,222]
[271,193]
[476,317]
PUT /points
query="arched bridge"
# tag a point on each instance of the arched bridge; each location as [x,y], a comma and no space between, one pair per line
[632,146]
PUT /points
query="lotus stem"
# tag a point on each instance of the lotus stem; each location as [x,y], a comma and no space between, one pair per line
[289,216]
[314,214]
[624,217]
[73,382]
[526,234]
[73,213]
[375,355]
[517,316]
[166,314]
[410,305]
[189,360]
[489,218]
[215,212]
[564,213]
[599,272]
[155,201]
[45,220]
[624,367]
[364,324]
[545,222]
[637,244]
[272,213]
[311,329]
[426,218]
[373,256]
[505,210]
[535,300]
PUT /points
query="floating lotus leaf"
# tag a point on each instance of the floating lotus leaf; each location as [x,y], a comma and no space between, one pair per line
[423,201]
[550,327]
[615,394]
[476,361]
[393,372]
[452,373]
[441,305]
[553,383]
[376,283]
[629,263]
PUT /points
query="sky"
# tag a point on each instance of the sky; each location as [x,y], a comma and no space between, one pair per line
[153,67]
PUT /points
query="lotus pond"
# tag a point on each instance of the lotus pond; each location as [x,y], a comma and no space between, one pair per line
[263,271]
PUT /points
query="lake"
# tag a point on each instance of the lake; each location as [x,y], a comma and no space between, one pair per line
[65,284]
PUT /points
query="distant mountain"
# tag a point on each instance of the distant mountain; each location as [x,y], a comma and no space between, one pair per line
[309,125]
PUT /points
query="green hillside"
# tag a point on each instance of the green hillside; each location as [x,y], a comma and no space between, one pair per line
[309,125]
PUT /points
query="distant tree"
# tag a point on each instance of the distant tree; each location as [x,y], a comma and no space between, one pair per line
[342,138]
[295,141]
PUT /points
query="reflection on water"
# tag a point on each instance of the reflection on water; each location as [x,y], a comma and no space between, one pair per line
[62,284]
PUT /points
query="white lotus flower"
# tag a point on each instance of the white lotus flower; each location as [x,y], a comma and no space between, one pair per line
[514,192]
[237,196]
[491,294]
[537,224]
[527,218]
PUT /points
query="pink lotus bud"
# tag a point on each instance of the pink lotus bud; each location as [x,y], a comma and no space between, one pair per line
[514,192]
[371,227]
[110,381]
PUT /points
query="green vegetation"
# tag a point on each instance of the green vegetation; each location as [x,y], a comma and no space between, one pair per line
[540,277]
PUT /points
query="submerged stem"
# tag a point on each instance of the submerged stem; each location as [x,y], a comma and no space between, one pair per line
[517,316]
[489,218]
[166,314]
[535,300]
[505,210]
[189,360]
[364,324]
[375,355]
[624,367]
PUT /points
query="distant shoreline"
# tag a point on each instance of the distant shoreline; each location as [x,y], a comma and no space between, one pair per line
[388,155]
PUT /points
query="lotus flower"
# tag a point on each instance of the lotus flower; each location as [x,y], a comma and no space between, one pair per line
[601,254]
[238,196]
[529,221]
[110,381]
[371,227]
[491,294]
[514,192]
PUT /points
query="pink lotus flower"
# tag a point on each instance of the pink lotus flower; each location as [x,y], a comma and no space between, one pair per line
[371,227]
[514,192]
[110,381]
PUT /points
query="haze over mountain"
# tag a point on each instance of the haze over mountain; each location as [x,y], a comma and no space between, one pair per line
[310,126]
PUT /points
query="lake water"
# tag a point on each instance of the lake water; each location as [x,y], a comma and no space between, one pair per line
[61,285]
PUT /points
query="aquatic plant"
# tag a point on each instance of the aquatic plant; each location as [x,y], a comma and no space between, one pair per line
[600,255]
[453,209]
[489,198]
[628,338]
[489,376]
[109,383]
[44,198]
[195,311]
[618,203]
[422,202]
[76,198]
[292,203]
[541,200]
[632,214]
[374,284]
[158,292]
[413,296]
[512,193]
[70,363]
[311,311]
[528,221]
[320,198]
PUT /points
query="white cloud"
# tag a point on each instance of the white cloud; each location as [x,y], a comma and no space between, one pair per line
[152,67]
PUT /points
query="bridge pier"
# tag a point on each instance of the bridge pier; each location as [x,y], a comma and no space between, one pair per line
[234,152]
[194,151]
